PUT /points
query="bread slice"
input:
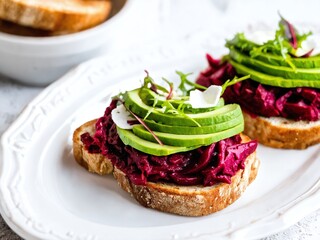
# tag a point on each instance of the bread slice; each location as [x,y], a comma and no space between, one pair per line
[181,200]
[93,162]
[279,132]
[191,200]
[56,15]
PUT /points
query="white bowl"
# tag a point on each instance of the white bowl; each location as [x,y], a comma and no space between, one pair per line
[41,60]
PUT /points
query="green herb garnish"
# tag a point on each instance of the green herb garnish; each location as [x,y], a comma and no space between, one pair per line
[285,43]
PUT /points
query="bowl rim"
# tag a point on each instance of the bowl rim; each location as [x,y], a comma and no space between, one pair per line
[71,37]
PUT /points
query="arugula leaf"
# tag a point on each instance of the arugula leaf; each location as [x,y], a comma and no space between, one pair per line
[184,81]
[291,33]
[178,106]
[169,108]
[241,43]
[302,37]
[284,49]
[287,40]
[232,82]
[149,83]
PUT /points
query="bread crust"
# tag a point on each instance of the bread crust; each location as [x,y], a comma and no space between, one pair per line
[191,200]
[58,15]
[181,200]
[93,162]
[283,133]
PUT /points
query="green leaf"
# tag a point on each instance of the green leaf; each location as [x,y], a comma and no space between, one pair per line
[184,81]
[232,82]
[149,83]
[155,101]
[170,93]
[169,108]
[280,45]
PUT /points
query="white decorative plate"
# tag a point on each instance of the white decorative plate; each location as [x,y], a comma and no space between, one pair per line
[45,194]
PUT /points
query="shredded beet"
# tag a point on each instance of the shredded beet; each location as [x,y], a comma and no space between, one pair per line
[300,103]
[206,165]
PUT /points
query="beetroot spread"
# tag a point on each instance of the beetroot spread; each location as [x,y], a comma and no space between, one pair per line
[300,103]
[206,165]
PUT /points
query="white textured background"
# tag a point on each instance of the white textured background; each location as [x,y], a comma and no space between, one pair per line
[174,19]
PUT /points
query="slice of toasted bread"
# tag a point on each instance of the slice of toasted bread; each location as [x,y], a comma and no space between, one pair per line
[279,132]
[181,200]
[191,200]
[56,15]
[93,162]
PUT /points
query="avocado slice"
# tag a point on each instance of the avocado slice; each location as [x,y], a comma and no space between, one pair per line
[273,80]
[186,130]
[187,140]
[286,72]
[129,138]
[241,43]
[222,114]
[151,98]
[309,62]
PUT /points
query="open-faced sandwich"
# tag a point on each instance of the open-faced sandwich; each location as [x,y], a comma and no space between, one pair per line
[175,150]
[281,100]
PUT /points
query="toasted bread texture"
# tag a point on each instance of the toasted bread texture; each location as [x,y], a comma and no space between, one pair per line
[171,198]
[56,15]
[93,162]
[191,200]
[279,132]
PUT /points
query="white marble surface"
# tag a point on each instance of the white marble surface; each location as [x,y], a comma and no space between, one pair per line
[176,18]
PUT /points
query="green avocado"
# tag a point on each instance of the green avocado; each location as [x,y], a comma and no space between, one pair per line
[129,138]
[285,72]
[273,80]
[186,130]
[222,114]
[187,140]
[310,62]
[242,44]
[151,98]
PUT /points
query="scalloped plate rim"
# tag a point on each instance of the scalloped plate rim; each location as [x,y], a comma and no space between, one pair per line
[63,83]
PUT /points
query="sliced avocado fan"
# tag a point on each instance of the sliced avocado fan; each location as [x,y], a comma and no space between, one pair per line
[162,132]
[272,63]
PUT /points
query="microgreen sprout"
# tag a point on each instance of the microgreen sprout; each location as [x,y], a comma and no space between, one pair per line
[170,94]
[289,31]
[149,83]
[184,81]
[287,40]
[232,82]
[119,98]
